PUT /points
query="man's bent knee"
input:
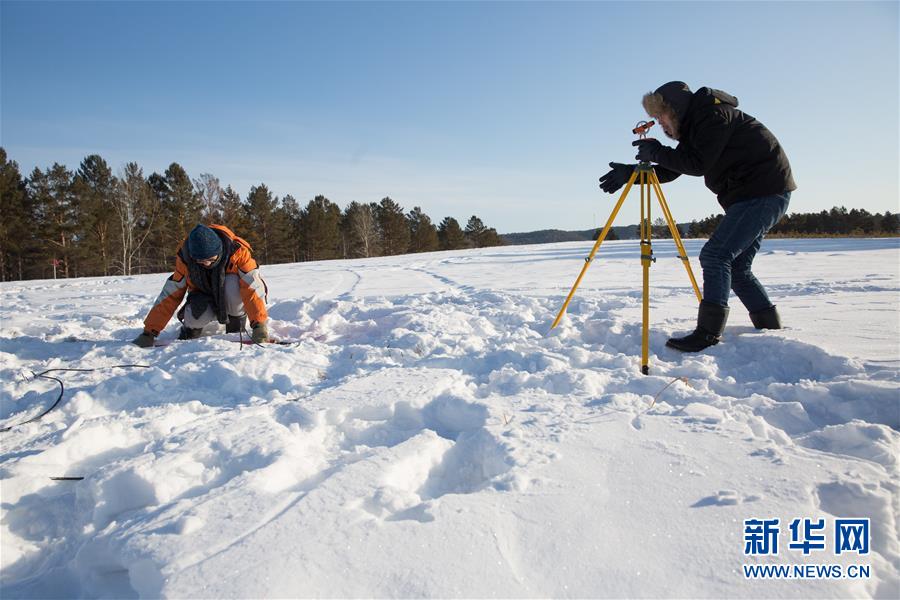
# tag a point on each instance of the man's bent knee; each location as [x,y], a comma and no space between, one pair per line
[712,256]
[197,322]
[234,304]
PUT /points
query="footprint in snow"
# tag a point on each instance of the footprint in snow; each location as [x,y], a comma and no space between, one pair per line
[724,498]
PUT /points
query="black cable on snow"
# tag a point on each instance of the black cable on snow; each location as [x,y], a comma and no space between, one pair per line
[243,331]
[249,338]
[62,389]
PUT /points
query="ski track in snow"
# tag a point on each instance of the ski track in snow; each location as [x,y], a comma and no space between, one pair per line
[428,387]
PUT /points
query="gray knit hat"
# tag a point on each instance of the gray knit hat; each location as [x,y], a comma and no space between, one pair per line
[203,243]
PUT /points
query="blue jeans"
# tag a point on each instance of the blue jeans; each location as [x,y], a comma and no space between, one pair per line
[728,255]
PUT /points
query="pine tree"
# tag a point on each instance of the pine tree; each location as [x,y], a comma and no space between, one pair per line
[611,235]
[890,223]
[837,220]
[706,226]
[55,218]
[320,234]
[422,233]
[450,235]
[287,225]
[660,229]
[15,228]
[694,230]
[491,238]
[234,213]
[95,188]
[818,223]
[393,227]
[184,207]
[474,231]
[861,221]
[480,236]
[261,205]
[180,210]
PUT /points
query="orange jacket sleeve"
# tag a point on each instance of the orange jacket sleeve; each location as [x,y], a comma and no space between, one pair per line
[253,288]
[169,299]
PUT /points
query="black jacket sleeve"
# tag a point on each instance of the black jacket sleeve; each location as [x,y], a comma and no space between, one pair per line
[665,175]
[711,134]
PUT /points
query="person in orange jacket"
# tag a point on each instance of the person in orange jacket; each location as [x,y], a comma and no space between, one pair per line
[222,281]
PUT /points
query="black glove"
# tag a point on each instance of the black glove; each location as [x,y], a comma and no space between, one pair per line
[616,178]
[648,149]
[145,340]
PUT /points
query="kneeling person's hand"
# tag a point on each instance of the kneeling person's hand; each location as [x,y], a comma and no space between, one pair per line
[145,340]
[260,333]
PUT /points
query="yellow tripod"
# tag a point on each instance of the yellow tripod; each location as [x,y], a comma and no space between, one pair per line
[647,179]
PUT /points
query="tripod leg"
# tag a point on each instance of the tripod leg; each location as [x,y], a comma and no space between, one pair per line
[676,236]
[590,257]
[646,260]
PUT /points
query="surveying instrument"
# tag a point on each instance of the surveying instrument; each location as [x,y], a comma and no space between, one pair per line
[646,177]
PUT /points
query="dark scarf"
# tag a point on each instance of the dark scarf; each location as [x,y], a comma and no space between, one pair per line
[209,282]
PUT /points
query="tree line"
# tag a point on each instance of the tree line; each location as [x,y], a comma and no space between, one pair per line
[835,222]
[61,223]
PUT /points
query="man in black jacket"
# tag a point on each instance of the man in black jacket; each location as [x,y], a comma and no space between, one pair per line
[745,166]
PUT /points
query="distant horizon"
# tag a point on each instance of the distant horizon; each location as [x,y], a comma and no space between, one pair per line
[436,218]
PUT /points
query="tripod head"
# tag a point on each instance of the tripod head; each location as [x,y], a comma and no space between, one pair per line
[642,128]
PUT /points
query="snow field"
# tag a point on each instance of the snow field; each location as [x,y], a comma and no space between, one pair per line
[428,436]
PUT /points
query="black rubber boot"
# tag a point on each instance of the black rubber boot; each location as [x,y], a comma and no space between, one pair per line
[188,333]
[766,318]
[235,324]
[710,325]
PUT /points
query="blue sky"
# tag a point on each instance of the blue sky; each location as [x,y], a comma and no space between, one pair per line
[507,110]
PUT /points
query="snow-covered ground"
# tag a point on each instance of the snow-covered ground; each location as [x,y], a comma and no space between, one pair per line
[428,435]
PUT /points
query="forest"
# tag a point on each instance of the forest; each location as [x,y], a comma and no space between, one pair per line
[92,221]
[827,223]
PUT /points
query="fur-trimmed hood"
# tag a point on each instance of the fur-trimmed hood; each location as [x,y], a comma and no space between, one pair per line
[676,97]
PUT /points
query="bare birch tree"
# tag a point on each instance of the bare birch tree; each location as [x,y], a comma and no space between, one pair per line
[136,212]
[361,230]
[210,191]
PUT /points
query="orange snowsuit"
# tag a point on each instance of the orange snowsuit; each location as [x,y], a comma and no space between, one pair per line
[252,287]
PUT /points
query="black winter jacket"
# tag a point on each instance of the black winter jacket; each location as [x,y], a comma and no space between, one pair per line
[738,157]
